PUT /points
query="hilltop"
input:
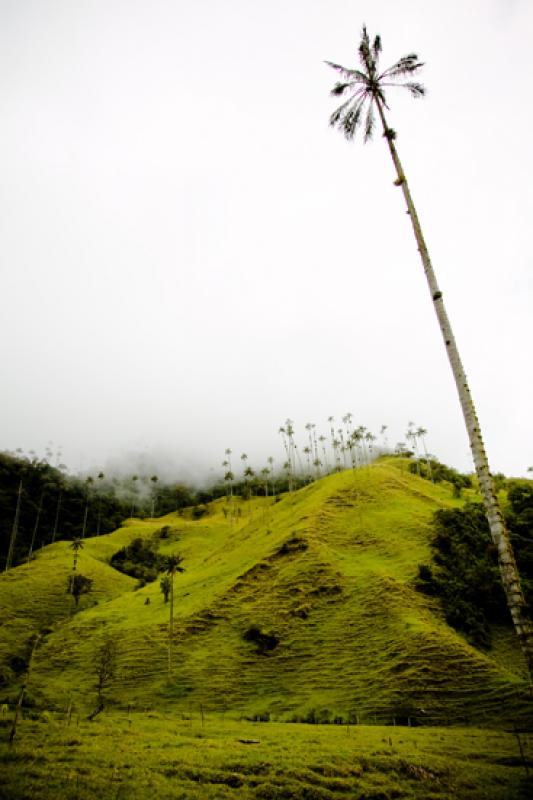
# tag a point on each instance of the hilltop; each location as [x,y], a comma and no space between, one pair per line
[302,607]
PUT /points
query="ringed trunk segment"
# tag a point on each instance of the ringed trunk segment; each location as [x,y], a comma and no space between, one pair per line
[506,560]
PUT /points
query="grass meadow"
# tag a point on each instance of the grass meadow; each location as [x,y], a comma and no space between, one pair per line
[165,756]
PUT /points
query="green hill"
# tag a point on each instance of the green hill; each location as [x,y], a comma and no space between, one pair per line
[302,608]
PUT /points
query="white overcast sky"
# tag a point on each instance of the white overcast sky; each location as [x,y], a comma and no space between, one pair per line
[190,255]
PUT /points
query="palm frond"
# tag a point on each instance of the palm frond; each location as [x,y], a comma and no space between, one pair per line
[340,88]
[349,74]
[376,49]
[416,89]
[351,121]
[337,114]
[405,66]
[365,55]
[369,123]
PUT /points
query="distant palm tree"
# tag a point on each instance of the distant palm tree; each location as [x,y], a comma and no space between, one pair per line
[172,567]
[370,439]
[421,434]
[322,440]
[249,475]
[286,446]
[335,444]
[365,87]
[101,477]
[88,483]
[229,477]
[154,479]
[244,459]
[411,436]
[76,545]
[270,462]
[134,491]
[265,472]
[307,451]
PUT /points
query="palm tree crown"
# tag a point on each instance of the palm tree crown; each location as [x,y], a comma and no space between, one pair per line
[368,84]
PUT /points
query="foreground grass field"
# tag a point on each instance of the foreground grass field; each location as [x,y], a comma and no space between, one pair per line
[157,756]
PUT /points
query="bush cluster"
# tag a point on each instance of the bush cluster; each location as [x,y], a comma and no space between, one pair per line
[139,559]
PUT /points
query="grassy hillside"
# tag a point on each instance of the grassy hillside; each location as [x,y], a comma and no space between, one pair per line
[324,578]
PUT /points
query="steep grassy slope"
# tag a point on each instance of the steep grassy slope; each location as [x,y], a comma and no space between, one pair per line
[324,578]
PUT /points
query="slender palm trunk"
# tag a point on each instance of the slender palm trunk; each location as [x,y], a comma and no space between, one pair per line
[36,527]
[14,530]
[508,569]
[56,520]
[171,624]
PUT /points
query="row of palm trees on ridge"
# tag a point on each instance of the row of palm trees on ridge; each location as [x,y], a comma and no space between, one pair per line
[346,446]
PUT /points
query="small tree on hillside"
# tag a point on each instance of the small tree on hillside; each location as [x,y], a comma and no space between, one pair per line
[164,584]
[76,546]
[77,585]
[105,666]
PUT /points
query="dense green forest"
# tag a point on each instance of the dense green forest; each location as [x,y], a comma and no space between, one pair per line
[464,572]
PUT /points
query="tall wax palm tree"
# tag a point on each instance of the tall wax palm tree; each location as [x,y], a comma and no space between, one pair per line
[228,476]
[36,526]
[101,477]
[410,435]
[61,488]
[364,89]
[134,491]
[309,428]
[286,446]
[154,479]
[76,546]
[172,567]
[307,451]
[270,461]
[383,434]
[14,529]
[265,472]
[421,434]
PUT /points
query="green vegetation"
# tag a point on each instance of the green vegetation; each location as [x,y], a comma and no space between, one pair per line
[328,573]
[79,585]
[198,756]
[299,608]
[464,571]
[39,504]
[138,559]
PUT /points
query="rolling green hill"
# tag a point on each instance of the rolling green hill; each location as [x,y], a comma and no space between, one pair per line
[301,608]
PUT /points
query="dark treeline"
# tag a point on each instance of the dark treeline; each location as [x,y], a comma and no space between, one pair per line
[40,504]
